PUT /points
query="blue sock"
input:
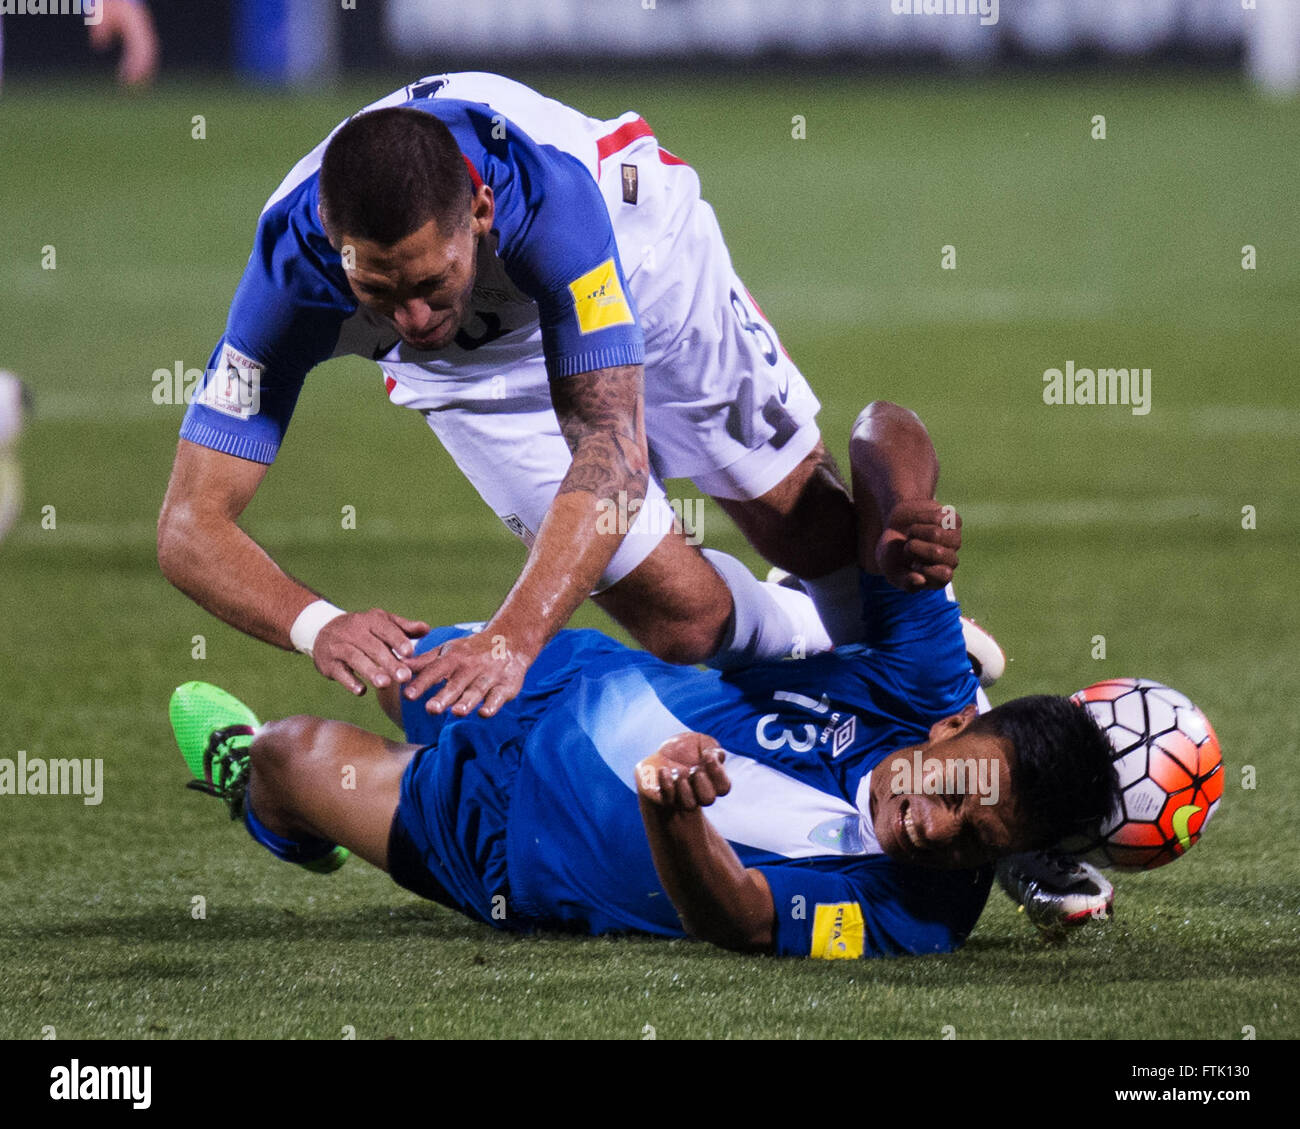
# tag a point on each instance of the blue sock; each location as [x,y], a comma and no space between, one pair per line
[290,850]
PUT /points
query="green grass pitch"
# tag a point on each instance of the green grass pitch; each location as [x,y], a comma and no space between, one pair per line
[1080,521]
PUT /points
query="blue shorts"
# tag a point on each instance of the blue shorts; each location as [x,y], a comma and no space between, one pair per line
[448,839]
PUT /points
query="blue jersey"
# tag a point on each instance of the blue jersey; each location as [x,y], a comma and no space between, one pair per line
[532,818]
[552,261]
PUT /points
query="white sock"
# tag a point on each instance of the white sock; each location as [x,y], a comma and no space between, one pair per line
[838,599]
[768,621]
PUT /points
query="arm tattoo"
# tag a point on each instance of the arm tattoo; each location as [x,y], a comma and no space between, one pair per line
[602,418]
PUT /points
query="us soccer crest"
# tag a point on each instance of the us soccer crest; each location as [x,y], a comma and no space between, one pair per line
[516,526]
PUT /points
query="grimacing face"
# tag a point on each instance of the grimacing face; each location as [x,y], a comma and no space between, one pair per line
[948,829]
[422,283]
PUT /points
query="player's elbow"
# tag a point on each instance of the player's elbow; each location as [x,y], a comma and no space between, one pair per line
[743,921]
[736,937]
[882,411]
[684,642]
[177,536]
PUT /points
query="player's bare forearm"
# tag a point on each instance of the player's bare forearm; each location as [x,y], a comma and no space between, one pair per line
[232,577]
[903,532]
[602,418]
[716,897]
[565,563]
[203,551]
[601,415]
[893,459]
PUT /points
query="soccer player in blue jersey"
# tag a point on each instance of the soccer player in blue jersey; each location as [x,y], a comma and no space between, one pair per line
[553,295]
[849,804]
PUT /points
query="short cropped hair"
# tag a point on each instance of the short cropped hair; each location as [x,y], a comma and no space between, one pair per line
[389,172]
[1062,774]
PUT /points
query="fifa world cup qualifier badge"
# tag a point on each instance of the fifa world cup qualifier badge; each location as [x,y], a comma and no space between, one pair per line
[234,386]
[630,184]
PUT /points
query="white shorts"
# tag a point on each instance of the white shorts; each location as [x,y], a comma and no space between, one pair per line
[725,405]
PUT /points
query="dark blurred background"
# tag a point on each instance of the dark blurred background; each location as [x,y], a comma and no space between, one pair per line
[303,41]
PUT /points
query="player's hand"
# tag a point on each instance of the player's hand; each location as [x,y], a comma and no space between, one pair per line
[918,548]
[360,647]
[133,26]
[685,773]
[480,670]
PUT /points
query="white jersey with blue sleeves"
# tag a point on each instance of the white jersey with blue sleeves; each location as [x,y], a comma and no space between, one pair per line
[554,287]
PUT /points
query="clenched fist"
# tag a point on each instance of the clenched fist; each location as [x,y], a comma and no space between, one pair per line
[684,773]
[918,548]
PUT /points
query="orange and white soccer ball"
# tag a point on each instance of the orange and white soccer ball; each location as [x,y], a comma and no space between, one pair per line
[1170,770]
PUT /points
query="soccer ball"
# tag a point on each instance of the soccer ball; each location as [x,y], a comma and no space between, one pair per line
[1170,769]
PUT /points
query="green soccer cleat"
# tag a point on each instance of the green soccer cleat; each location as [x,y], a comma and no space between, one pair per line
[214,730]
[329,863]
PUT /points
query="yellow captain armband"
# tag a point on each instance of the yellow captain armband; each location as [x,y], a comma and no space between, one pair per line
[599,299]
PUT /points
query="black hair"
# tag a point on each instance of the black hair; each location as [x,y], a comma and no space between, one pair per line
[1062,776]
[389,172]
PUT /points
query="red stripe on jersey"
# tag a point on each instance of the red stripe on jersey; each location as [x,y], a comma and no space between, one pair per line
[389,384]
[621,138]
[473,173]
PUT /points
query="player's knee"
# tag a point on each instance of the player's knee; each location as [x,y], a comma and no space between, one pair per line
[686,642]
[290,745]
[879,410]
[806,523]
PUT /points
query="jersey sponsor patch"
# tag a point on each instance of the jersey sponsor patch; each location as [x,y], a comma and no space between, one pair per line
[235,386]
[599,299]
[837,931]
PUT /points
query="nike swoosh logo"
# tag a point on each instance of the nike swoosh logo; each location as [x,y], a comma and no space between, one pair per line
[784,390]
[1180,820]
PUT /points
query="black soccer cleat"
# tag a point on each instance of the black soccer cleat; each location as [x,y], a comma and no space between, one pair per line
[1055,891]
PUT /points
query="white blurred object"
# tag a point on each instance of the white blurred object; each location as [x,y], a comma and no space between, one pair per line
[12,407]
[987,659]
[1273,46]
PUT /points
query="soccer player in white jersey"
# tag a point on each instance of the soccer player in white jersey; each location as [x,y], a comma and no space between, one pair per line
[553,295]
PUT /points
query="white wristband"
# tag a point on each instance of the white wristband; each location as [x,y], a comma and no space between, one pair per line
[309,622]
